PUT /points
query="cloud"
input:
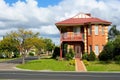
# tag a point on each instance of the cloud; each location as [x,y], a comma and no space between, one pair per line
[42,19]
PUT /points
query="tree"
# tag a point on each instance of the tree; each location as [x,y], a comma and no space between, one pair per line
[113,32]
[39,44]
[49,45]
[116,43]
[107,53]
[24,39]
[8,46]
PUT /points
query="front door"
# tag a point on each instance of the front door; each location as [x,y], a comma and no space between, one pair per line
[77,51]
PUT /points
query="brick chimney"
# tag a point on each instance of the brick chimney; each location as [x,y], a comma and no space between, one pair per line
[88,14]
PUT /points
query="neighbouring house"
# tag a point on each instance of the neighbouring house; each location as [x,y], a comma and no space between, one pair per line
[82,33]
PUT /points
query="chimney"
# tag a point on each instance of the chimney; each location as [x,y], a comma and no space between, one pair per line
[88,14]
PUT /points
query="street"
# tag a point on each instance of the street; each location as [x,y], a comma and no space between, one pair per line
[58,75]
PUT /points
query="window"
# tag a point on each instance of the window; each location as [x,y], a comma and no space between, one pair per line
[96,30]
[89,30]
[76,30]
[90,48]
[96,50]
[102,29]
[102,47]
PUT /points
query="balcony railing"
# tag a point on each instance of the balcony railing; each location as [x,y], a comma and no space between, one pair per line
[72,37]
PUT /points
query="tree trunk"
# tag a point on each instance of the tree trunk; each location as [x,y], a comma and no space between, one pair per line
[38,56]
[23,58]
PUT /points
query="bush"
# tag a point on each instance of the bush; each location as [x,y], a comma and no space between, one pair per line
[69,55]
[56,52]
[107,53]
[86,62]
[85,56]
[117,58]
[92,56]
[31,54]
[72,62]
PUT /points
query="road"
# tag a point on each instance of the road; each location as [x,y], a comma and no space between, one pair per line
[20,75]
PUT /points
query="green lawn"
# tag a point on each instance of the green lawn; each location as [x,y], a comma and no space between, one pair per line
[48,64]
[102,66]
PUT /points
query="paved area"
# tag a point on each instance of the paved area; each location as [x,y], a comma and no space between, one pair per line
[7,66]
[80,67]
[11,64]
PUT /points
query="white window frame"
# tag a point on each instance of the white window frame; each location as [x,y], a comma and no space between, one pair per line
[90,48]
[89,30]
[96,49]
[103,30]
[96,29]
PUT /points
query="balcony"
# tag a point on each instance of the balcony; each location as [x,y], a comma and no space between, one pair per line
[72,37]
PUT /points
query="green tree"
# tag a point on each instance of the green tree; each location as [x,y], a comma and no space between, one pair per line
[40,45]
[116,43]
[8,46]
[24,39]
[49,45]
[107,53]
[113,32]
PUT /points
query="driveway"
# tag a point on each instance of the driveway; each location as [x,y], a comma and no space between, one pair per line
[11,64]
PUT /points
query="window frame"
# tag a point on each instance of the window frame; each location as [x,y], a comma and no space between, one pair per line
[96,30]
[103,30]
[89,30]
[97,50]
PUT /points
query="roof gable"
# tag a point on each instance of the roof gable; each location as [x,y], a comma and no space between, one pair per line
[81,19]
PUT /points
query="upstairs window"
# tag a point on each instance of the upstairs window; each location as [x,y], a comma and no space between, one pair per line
[76,30]
[96,30]
[103,30]
[89,30]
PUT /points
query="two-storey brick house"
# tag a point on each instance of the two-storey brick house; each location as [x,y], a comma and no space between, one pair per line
[83,33]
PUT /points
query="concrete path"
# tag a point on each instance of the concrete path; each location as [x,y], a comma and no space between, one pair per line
[80,67]
[7,66]
[11,64]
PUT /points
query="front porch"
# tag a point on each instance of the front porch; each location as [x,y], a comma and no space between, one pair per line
[77,47]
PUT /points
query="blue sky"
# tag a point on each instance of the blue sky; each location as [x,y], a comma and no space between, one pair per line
[41,15]
[41,3]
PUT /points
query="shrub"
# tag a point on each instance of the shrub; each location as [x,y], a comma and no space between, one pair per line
[56,52]
[107,53]
[86,62]
[31,53]
[72,62]
[70,54]
[85,56]
[92,56]
[117,58]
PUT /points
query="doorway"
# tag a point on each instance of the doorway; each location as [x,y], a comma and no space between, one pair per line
[78,53]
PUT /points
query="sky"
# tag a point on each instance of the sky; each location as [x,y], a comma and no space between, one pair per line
[41,15]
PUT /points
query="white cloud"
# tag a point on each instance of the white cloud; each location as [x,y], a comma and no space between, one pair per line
[39,19]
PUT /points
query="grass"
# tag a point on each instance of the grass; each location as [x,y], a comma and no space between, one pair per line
[103,66]
[48,64]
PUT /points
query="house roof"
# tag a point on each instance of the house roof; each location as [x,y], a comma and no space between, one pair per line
[82,19]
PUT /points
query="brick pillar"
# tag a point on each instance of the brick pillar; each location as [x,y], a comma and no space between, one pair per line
[60,44]
[85,39]
[60,50]
[106,33]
